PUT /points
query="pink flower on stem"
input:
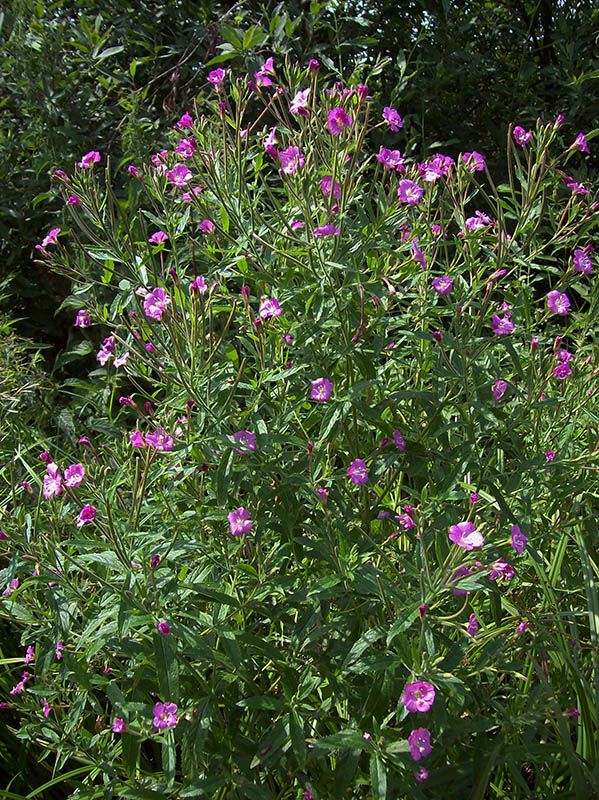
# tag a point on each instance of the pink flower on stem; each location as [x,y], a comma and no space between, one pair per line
[442,285]
[59,650]
[474,162]
[118,725]
[51,238]
[478,222]
[45,708]
[160,440]
[421,774]
[52,484]
[549,455]
[499,388]
[562,371]
[519,540]
[206,226]
[245,439]
[472,627]
[87,514]
[391,159]
[73,475]
[136,438]
[82,319]
[465,535]
[217,76]
[198,285]
[521,136]
[73,200]
[165,716]
[164,628]
[358,472]
[20,687]
[501,569]
[392,118]
[418,696]
[337,120]
[291,160]
[580,143]
[322,389]
[420,743]
[155,303]
[582,262]
[326,183]
[399,441]
[326,230]
[502,325]
[179,175]
[269,307]
[558,303]
[89,159]
[409,192]
[158,238]
[29,655]
[240,522]
[299,104]
[186,121]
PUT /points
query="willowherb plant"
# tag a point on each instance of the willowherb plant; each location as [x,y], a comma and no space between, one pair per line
[331,539]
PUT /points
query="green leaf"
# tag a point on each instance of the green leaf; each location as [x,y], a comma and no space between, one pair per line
[298,740]
[378,778]
[167,667]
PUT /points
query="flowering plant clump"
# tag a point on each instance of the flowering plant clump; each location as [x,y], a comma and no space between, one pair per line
[295,480]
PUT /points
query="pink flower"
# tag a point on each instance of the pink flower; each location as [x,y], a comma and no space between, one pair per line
[269,307]
[521,628]
[550,455]
[420,743]
[409,192]
[45,708]
[51,238]
[472,627]
[155,303]
[198,285]
[563,356]
[325,186]
[499,388]
[322,389]
[89,159]
[136,438]
[562,371]
[291,160]
[519,540]
[160,440]
[217,76]
[186,147]
[502,325]
[20,687]
[313,65]
[337,120]
[473,499]
[577,188]
[179,175]
[29,655]
[73,200]
[573,712]
[473,162]
[399,441]
[158,238]
[52,485]
[558,303]
[87,514]
[165,716]
[465,535]
[132,170]
[59,650]
[501,569]
[478,222]
[299,104]
[418,696]
[421,774]
[121,360]
[83,319]
[434,169]
[164,628]
[187,197]
[580,143]
[392,118]
[326,230]
[186,121]
[246,439]
[521,136]
[73,475]
[14,584]
[582,262]
[240,522]
[206,226]
[391,159]
[442,285]
[357,471]
[118,725]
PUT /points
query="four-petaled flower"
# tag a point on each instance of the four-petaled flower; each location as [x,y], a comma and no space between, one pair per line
[558,303]
[73,475]
[326,182]
[299,104]
[87,514]
[164,628]
[118,726]
[519,540]
[472,627]
[442,285]
[580,143]
[52,481]
[83,319]
[399,441]
[582,261]
[269,307]
[246,439]
[392,118]
[322,389]
[357,471]
[474,162]
[391,159]
[291,160]
[217,76]
[418,696]
[158,238]
[420,743]
[465,535]
[160,440]
[89,159]
[521,136]
[165,716]
[239,521]
[326,230]
[499,388]
[155,303]
[409,192]
[502,325]
[337,120]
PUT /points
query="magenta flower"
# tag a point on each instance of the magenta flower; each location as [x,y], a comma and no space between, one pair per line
[136,438]
[409,192]
[580,143]
[155,303]
[337,120]
[217,76]
[118,725]
[29,655]
[418,696]
[572,712]
[87,514]
[52,486]
[549,455]
[133,171]
[299,104]
[73,200]
[45,708]
[160,440]
[179,175]
[326,183]
[83,319]
[558,303]
[186,121]
[240,522]
[502,325]
[73,475]
[392,118]
[499,388]
[89,159]
[291,160]
[51,238]
[198,285]
[421,774]
[187,197]
[420,743]
[164,628]
[434,169]
[326,230]
[357,471]
[521,628]
[322,389]
[521,136]
[474,162]
[158,238]
[313,65]
[465,535]
[442,285]
[582,262]
[399,441]
[20,687]
[246,439]
[562,371]
[206,226]
[165,716]
[472,627]
[391,159]
[478,222]
[269,307]
[519,540]
[501,569]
